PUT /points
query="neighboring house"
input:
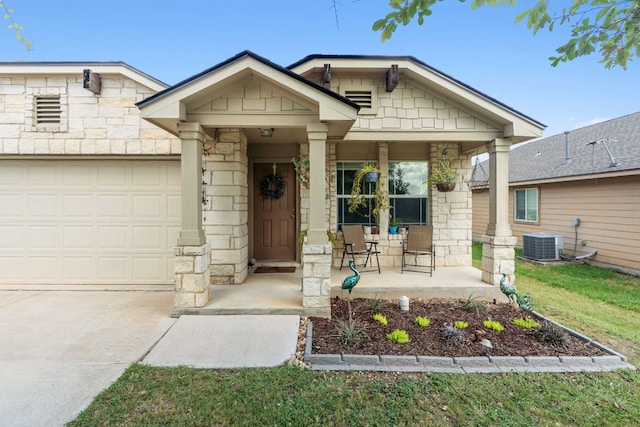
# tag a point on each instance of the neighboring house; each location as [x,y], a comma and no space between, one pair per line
[103,171]
[591,174]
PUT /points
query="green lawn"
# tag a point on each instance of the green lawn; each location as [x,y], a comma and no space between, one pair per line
[601,304]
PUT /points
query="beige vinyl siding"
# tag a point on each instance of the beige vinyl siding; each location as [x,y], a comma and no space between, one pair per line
[480,213]
[608,209]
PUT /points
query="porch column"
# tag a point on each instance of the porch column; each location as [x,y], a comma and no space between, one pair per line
[191,139]
[192,252]
[498,255]
[317,134]
[317,251]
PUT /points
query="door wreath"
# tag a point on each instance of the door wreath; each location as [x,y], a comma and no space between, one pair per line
[272,186]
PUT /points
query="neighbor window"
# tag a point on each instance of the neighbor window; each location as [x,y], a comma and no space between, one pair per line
[526,205]
[408,192]
[346,171]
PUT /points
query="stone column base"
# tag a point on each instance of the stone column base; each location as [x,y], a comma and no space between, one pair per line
[498,257]
[192,276]
[316,275]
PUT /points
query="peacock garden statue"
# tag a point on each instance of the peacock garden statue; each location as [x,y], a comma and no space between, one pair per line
[350,282]
[523,301]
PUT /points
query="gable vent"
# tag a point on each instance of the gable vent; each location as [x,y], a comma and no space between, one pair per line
[364,98]
[48,110]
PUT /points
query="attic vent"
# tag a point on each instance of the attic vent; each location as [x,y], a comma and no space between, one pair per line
[364,98]
[48,110]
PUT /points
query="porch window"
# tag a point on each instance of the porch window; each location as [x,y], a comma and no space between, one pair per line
[526,205]
[408,191]
[346,171]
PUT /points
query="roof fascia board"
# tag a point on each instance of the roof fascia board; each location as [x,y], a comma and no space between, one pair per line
[448,136]
[561,179]
[74,68]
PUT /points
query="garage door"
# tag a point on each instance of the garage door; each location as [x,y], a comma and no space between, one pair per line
[108,222]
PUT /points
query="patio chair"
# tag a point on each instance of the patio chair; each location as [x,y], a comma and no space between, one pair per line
[419,243]
[355,244]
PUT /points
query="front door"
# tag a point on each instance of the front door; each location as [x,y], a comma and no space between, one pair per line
[274,212]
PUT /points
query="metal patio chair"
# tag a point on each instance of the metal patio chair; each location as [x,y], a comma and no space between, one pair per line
[355,244]
[419,243]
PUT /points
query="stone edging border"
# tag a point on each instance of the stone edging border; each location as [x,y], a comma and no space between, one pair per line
[466,365]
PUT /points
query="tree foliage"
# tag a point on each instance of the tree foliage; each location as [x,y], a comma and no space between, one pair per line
[13,25]
[611,27]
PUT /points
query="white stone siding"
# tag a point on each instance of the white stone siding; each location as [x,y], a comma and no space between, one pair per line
[107,123]
[451,212]
[252,97]
[410,107]
[225,206]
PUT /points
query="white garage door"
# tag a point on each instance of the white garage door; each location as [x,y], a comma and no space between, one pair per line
[107,222]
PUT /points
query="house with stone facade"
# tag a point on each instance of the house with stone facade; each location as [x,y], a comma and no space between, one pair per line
[109,177]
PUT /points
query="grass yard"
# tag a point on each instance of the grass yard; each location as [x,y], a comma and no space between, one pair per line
[601,304]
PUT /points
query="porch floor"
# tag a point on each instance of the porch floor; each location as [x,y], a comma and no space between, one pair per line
[281,293]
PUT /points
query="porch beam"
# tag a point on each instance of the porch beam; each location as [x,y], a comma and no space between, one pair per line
[317,135]
[191,138]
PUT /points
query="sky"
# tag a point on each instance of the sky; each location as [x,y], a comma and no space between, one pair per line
[483,48]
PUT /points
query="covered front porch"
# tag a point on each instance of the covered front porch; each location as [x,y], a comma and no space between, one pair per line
[281,293]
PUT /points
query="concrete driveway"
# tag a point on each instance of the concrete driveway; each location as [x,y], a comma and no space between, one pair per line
[59,349]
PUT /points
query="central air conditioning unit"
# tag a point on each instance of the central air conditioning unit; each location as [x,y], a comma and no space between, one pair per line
[542,246]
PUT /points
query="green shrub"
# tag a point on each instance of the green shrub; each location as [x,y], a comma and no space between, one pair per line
[350,331]
[474,304]
[380,318]
[422,321]
[492,324]
[377,305]
[399,336]
[525,323]
[461,325]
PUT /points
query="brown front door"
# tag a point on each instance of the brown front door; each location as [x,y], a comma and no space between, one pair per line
[274,228]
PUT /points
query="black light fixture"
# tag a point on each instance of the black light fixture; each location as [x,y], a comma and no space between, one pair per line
[266,132]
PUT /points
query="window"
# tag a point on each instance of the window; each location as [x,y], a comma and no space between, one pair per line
[344,181]
[408,191]
[526,205]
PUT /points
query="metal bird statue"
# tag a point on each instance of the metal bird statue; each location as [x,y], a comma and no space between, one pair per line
[523,301]
[351,281]
[508,289]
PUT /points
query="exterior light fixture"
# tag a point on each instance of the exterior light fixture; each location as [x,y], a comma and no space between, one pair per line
[266,132]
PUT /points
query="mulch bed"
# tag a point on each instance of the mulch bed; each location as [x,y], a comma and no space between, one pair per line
[429,341]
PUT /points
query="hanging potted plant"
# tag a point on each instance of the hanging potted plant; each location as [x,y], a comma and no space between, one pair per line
[443,176]
[358,199]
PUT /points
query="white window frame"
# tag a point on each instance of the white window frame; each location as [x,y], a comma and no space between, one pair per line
[527,208]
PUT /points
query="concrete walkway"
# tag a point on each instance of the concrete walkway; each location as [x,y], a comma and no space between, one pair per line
[59,349]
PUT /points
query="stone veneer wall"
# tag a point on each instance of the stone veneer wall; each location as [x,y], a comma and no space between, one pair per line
[225,206]
[107,123]
[451,212]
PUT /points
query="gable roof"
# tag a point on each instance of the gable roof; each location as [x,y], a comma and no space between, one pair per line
[607,148]
[178,102]
[236,58]
[517,125]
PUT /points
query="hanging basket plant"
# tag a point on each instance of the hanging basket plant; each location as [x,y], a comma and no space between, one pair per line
[358,200]
[443,176]
[272,186]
